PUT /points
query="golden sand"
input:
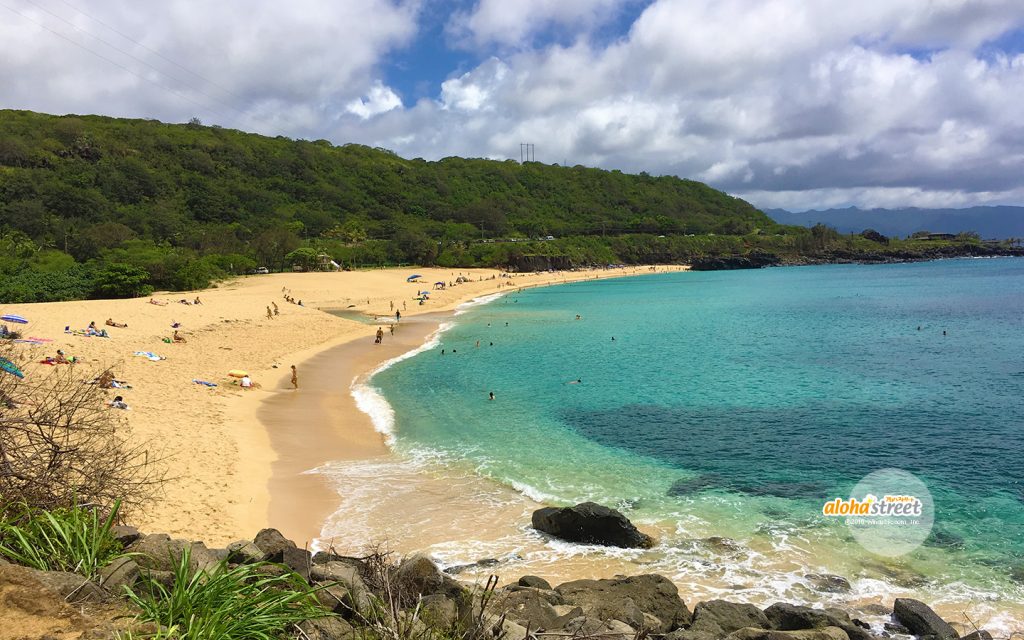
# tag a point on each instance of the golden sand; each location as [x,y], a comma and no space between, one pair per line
[222,456]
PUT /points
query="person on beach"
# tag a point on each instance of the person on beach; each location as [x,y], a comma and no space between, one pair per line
[119,325]
[196,301]
[295,378]
[380,336]
[106,379]
[398,315]
[60,358]
[403,306]
[270,314]
[246,382]
[178,337]
[118,403]
[277,311]
[392,305]
[391,328]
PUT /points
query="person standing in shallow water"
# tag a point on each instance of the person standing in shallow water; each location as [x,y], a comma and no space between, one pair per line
[295,378]
[398,316]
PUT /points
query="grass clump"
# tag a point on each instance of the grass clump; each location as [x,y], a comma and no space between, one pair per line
[225,603]
[77,538]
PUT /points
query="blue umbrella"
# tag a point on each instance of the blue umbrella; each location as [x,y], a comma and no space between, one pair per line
[13,318]
[8,366]
[413,277]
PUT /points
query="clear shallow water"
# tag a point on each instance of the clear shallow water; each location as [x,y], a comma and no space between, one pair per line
[733,403]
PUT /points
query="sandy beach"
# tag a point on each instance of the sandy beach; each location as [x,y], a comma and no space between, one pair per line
[226,464]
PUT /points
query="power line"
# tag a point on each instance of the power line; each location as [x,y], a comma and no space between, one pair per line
[153,51]
[132,56]
[117,64]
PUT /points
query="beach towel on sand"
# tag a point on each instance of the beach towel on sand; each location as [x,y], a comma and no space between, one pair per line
[150,355]
[204,383]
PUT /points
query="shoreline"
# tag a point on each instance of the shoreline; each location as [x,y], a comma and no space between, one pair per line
[188,413]
[307,430]
[437,483]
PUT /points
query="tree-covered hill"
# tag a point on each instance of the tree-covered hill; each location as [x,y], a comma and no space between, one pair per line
[97,206]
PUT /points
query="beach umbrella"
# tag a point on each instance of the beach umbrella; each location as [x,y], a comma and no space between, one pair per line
[10,317]
[413,277]
[238,373]
[9,367]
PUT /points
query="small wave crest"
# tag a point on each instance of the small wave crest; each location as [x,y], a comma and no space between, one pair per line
[476,302]
[371,401]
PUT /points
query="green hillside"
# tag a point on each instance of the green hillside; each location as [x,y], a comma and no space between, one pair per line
[97,206]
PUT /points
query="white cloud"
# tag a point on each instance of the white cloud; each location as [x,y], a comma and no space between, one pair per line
[514,24]
[818,100]
[782,101]
[380,99]
[254,64]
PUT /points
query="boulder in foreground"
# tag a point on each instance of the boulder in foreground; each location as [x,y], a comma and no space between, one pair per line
[921,620]
[591,523]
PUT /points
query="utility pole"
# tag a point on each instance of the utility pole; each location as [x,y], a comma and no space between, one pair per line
[527,153]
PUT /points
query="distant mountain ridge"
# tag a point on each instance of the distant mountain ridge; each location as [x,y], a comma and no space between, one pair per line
[998,222]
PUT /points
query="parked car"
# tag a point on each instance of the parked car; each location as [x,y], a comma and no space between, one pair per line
[261,270]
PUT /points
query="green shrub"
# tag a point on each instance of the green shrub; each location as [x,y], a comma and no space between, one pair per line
[76,539]
[120,280]
[225,603]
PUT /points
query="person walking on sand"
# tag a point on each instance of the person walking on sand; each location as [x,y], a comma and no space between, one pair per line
[270,315]
[391,328]
[404,307]
[380,336]
[277,311]
[295,378]
[392,305]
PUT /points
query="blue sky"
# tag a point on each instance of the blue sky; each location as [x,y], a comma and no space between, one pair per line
[786,103]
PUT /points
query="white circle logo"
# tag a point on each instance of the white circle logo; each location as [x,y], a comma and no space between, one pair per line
[890,512]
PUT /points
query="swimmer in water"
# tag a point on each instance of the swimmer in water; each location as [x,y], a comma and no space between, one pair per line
[490,396]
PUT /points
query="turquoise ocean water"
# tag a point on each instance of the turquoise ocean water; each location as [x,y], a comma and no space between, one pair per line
[731,404]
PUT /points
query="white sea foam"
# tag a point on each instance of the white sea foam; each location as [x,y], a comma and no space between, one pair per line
[476,302]
[371,401]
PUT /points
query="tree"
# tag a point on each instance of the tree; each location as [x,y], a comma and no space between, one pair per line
[416,247]
[119,280]
[874,236]
[273,245]
[303,257]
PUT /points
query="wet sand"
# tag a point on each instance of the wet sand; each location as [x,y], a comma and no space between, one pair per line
[319,422]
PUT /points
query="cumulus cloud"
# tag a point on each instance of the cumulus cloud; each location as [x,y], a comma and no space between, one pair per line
[514,24]
[781,101]
[784,102]
[259,65]
[379,99]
